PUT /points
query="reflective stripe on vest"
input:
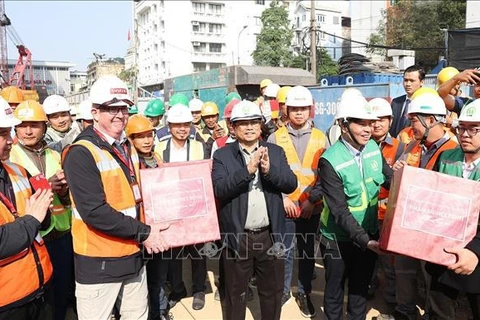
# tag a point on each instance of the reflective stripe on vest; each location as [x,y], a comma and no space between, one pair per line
[61,215]
[413,151]
[389,152]
[23,275]
[195,151]
[119,195]
[305,171]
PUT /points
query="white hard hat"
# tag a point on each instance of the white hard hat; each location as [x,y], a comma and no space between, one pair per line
[109,90]
[427,103]
[7,119]
[299,96]
[195,105]
[381,107]
[470,112]
[271,90]
[354,106]
[73,110]
[85,110]
[246,110]
[350,92]
[55,103]
[179,113]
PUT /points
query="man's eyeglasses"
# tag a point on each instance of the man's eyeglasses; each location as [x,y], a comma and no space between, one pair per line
[471,131]
[114,110]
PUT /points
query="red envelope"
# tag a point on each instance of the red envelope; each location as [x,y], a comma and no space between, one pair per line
[181,194]
[428,211]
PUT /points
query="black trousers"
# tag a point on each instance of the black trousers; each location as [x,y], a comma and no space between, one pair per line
[254,255]
[199,268]
[442,302]
[342,261]
[33,310]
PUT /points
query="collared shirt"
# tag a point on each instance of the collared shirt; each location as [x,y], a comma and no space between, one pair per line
[357,154]
[257,215]
[427,154]
[468,169]
[178,154]
[388,140]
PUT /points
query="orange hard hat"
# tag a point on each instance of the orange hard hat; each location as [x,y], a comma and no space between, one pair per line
[138,123]
[30,110]
[12,94]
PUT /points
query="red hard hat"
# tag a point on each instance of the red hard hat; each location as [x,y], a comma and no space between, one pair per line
[227,113]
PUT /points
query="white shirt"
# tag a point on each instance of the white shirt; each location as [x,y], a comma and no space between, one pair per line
[178,154]
[468,169]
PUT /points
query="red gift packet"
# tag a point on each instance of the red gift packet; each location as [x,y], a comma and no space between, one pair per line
[181,194]
[428,211]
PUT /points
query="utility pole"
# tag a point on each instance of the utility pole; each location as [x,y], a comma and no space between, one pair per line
[313,40]
[445,38]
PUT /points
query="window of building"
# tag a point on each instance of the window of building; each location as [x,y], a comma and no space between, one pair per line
[198,7]
[215,8]
[156,66]
[258,21]
[155,47]
[163,65]
[199,66]
[215,47]
[298,22]
[304,17]
[162,25]
[261,2]
[215,28]
[320,18]
[196,27]
[217,65]
[154,8]
[336,20]
[155,27]
[323,35]
[199,46]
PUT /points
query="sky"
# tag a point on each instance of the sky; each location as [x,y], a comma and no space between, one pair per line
[70,31]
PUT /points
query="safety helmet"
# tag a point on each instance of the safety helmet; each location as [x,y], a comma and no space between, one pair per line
[209,108]
[246,110]
[471,112]
[85,110]
[264,83]
[299,96]
[354,106]
[179,114]
[155,108]
[55,103]
[12,94]
[178,98]
[275,107]
[271,90]
[195,105]
[423,90]
[30,110]
[133,110]
[138,123]
[381,107]
[227,112]
[427,103]
[446,74]
[109,90]
[7,118]
[282,94]
[231,96]
[73,110]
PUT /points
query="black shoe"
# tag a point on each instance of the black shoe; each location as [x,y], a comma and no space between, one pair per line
[219,294]
[175,298]
[198,301]
[252,282]
[286,298]
[306,306]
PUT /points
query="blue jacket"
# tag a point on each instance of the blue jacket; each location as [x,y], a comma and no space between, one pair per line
[230,184]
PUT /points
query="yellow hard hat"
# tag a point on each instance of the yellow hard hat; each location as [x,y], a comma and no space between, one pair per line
[12,94]
[446,74]
[265,82]
[30,110]
[138,123]
[209,108]
[282,94]
[422,91]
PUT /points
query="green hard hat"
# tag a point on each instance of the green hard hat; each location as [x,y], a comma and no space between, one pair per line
[155,108]
[178,98]
[231,96]
[133,110]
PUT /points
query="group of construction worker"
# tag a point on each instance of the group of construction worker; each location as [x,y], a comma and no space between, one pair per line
[282,188]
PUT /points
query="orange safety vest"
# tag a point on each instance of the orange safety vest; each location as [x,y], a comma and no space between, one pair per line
[305,171]
[414,153]
[119,195]
[406,135]
[23,275]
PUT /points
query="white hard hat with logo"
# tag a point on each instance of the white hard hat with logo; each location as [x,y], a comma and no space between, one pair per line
[299,96]
[354,106]
[55,103]
[109,90]
[85,110]
[427,103]
[271,90]
[246,110]
[381,107]
[7,119]
[470,112]
[179,113]
[195,105]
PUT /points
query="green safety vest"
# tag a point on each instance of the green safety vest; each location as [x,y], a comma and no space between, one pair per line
[451,163]
[61,217]
[361,191]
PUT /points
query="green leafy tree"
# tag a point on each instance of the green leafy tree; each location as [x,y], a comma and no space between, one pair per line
[326,66]
[273,42]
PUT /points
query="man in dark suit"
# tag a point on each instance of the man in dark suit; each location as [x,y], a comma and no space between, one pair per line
[413,79]
[249,177]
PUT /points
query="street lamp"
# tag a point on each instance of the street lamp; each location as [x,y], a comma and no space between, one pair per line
[238,43]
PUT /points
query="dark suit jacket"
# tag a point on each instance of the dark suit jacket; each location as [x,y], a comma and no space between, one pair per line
[230,184]
[399,122]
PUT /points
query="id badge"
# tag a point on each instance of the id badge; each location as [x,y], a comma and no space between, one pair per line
[136,192]
[39,239]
